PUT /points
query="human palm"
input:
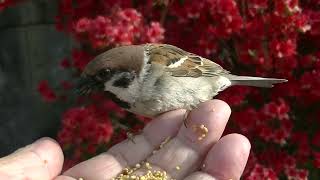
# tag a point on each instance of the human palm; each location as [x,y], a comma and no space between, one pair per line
[194,152]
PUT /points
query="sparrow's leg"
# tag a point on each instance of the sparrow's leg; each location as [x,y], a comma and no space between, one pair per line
[130,135]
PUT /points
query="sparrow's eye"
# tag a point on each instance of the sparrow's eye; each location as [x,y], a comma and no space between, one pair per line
[103,75]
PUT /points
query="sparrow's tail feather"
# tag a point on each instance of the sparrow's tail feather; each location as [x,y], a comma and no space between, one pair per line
[254,81]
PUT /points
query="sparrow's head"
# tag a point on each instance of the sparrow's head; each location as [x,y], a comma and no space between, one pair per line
[115,68]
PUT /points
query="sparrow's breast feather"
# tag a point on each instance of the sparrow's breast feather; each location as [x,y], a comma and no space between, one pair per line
[165,93]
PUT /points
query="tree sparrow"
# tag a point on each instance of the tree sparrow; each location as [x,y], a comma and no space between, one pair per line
[151,79]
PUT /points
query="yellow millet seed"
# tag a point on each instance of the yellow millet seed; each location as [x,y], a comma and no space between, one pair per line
[148,166]
[138,165]
[149,175]
[164,142]
[200,130]
[178,168]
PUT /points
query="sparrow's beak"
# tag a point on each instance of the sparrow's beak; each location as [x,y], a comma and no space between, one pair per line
[87,84]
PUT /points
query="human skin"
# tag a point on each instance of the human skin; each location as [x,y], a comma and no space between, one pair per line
[211,158]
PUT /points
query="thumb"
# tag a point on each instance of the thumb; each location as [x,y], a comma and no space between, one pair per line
[41,160]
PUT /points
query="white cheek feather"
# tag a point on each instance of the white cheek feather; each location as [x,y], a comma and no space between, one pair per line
[178,63]
[125,94]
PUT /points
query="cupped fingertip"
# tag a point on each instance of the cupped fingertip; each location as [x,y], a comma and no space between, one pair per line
[50,152]
[205,124]
[62,177]
[242,140]
[239,138]
[228,158]
[215,105]
[4,176]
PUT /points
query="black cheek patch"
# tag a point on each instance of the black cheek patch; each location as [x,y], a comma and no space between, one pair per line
[118,101]
[125,80]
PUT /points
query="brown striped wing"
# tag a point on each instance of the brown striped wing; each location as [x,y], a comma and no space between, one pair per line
[182,63]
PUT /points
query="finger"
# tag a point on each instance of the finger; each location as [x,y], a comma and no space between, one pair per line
[184,153]
[199,176]
[103,166]
[41,160]
[4,176]
[127,153]
[228,158]
[65,178]
[153,134]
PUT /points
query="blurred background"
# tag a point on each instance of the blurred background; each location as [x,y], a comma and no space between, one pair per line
[45,44]
[30,50]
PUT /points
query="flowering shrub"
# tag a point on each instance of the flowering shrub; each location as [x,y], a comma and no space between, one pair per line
[7,3]
[272,38]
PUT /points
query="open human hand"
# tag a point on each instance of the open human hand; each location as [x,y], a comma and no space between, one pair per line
[196,152]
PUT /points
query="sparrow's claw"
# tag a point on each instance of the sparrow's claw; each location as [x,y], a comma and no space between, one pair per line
[131,137]
[186,115]
[185,118]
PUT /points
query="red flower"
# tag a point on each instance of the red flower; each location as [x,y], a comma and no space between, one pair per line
[282,49]
[235,96]
[297,174]
[111,107]
[80,59]
[286,7]
[260,172]
[66,85]
[227,18]
[255,7]
[315,22]
[316,159]
[83,25]
[154,33]
[310,86]
[65,63]
[46,91]
[89,125]
[6,3]
[303,145]
[122,27]
[316,139]
[277,109]
[246,119]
